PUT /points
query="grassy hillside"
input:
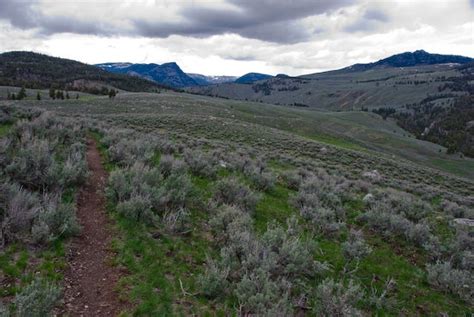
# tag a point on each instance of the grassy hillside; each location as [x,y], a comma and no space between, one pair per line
[235,208]
[360,131]
[343,90]
[33,70]
[32,94]
[429,101]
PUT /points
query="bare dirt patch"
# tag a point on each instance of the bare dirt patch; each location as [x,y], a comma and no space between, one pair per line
[90,279]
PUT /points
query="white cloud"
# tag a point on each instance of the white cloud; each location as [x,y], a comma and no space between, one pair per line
[362,31]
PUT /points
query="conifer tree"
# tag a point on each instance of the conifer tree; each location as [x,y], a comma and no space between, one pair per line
[52,93]
[21,94]
[112,93]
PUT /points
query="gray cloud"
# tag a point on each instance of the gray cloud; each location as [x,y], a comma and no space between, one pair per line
[376,15]
[276,21]
[25,15]
[19,13]
[52,25]
[239,56]
[272,21]
[369,21]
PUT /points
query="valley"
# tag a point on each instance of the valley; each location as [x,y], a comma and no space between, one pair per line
[204,203]
[184,157]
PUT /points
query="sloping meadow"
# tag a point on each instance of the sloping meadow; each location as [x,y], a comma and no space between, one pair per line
[277,235]
[220,215]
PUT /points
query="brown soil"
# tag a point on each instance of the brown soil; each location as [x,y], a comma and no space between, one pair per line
[90,279]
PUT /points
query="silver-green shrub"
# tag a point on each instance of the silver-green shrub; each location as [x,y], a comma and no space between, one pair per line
[200,163]
[37,299]
[55,219]
[334,298]
[355,248]
[262,180]
[231,192]
[445,277]
[258,269]
[382,218]
[138,207]
[18,209]
[213,282]
[260,295]
[143,193]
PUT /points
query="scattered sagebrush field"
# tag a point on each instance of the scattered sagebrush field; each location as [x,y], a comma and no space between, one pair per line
[234,208]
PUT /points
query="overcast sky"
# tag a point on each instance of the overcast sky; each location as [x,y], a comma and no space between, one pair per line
[233,37]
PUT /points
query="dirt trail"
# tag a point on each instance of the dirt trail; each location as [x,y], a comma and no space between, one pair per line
[90,279]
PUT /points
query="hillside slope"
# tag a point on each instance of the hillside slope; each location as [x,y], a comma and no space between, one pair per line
[338,90]
[169,74]
[251,78]
[33,70]
[392,82]
[409,59]
[422,95]
[218,203]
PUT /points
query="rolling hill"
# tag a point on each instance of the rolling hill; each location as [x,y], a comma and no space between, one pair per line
[200,185]
[422,91]
[169,74]
[33,70]
[251,78]
[372,86]
[409,59]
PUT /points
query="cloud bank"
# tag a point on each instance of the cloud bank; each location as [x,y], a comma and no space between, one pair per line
[236,36]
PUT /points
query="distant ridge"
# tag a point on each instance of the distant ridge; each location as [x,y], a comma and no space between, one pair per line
[204,80]
[409,59]
[169,74]
[251,78]
[34,70]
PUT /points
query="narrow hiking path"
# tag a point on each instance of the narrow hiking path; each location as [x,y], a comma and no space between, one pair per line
[90,279]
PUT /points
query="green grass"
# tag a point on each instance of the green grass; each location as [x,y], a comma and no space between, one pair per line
[4,128]
[163,268]
[158,266]
[108,166]
[273,206]
[159,263]
[413,295]
[339,142]
[19,266]
[455,167]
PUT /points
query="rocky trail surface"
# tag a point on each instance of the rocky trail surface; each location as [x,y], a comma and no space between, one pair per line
[90,278]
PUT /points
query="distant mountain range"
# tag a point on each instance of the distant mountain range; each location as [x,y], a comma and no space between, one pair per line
[33,70]
[409,59]
[251,78]
[429,95]
[390,82]
[204,80]
[170,74]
